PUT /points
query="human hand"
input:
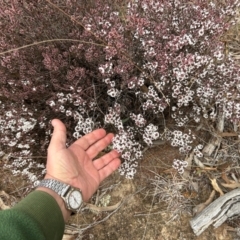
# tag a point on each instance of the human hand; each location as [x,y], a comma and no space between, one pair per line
[75,165]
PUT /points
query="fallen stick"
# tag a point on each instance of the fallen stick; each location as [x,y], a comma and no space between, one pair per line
[217,212]
[95,208]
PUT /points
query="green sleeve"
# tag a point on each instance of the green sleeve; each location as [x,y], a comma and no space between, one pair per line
[37,216]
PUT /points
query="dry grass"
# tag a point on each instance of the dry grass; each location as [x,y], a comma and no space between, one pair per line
[232,40]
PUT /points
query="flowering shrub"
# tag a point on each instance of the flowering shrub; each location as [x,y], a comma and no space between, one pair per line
[127,66]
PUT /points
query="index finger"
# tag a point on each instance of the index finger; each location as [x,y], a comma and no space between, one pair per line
[86,141]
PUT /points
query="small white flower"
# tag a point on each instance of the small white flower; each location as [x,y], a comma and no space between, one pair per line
[113,92]
[88,27]
[102,70]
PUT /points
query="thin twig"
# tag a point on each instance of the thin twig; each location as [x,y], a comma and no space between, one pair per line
[28,157]
[50,40]
[95,208]
[146,214]
[145,229]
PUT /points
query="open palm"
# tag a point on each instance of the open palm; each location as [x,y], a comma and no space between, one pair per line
[75,165]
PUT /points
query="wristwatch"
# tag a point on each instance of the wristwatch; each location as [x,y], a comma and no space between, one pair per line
[71,196]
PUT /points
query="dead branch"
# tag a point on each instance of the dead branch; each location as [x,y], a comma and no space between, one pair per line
[217,212]
[231,185]
[216,187]
[215,140]
[198,162]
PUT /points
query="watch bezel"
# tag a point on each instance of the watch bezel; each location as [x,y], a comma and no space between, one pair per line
[68,199]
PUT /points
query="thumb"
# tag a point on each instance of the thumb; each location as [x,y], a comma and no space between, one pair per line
[58,140]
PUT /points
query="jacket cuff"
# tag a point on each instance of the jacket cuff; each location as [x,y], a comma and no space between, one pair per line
[44,209]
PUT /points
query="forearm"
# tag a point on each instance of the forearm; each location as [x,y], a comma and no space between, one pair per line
[66,213]
[37,216]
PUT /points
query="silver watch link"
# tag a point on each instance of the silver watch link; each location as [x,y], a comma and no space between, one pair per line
[71,196]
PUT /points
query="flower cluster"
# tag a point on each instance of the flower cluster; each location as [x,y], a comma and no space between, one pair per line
[197,150]
[113,117]
[138,120]
[153,101]
[83,125]
[182,140]
[27,167]
[179,165]
[131,150]
[150,133]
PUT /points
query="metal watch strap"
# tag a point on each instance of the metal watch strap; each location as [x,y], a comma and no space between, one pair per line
[59,187]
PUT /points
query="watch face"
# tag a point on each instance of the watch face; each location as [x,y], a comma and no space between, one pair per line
[75,199]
